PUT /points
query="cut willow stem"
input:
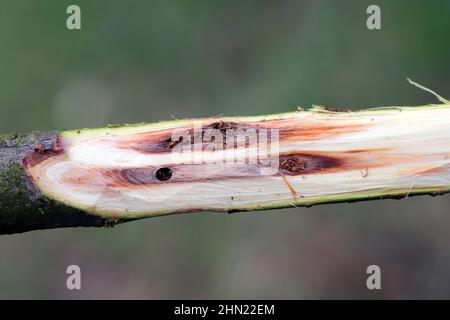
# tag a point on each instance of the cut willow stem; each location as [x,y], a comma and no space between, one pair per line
[100,177]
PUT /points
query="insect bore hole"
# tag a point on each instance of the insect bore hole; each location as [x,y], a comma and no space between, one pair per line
[164,174]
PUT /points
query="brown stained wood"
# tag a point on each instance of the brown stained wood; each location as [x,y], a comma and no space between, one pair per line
[230,164]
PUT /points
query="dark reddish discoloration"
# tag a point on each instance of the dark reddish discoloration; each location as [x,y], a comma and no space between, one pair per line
[289,130]
[44,150]
[166,140]
[139,176]
[304,163]
[290,165]
[149,144]
[172,143]
[293,164]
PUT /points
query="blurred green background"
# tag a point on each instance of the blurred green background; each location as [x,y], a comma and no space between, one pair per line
[139,61]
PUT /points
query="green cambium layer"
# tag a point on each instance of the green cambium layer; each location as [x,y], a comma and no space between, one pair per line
[348,198]
[315,109]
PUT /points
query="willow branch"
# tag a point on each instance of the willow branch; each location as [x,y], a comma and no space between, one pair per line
[99,177]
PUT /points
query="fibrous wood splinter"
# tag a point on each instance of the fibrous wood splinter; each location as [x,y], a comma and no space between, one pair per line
[290,187]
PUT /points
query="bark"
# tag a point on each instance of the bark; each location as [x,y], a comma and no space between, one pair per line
[100,177]
[22,205]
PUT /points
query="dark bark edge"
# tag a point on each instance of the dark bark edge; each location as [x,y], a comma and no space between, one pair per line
[22,206]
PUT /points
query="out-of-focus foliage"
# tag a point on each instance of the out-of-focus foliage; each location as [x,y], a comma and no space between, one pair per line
[139,61]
